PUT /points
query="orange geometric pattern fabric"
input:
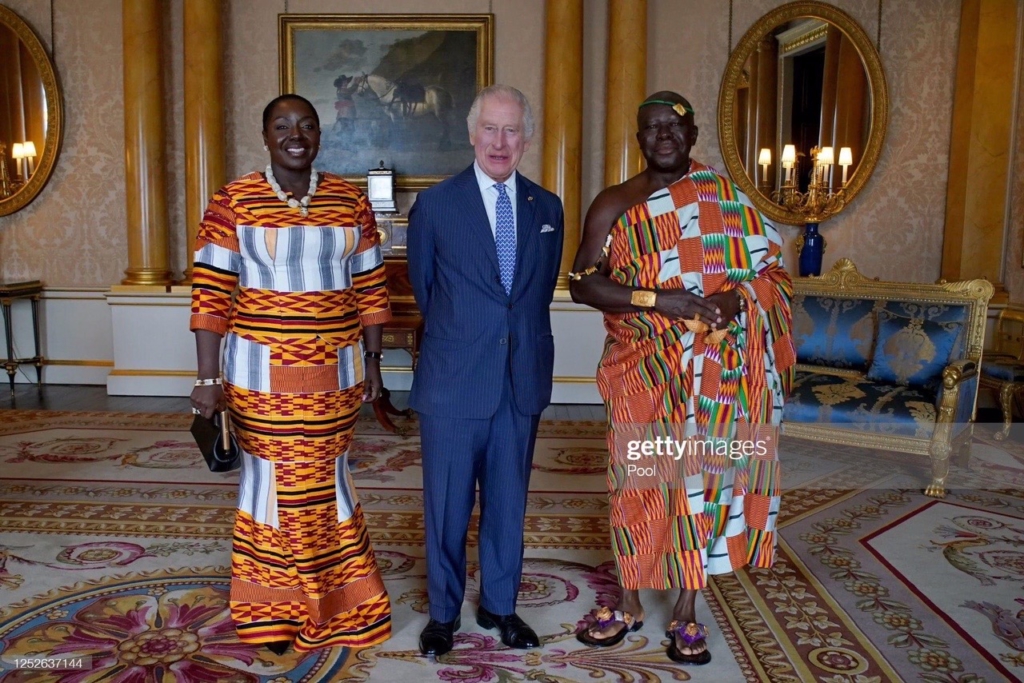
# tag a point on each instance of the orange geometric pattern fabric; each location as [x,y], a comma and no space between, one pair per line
[707,508]
[291,296]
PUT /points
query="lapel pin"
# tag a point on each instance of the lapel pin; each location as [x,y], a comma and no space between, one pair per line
[529,198]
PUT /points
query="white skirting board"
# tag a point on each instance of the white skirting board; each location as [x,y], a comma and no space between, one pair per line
[76,336]
[138,343]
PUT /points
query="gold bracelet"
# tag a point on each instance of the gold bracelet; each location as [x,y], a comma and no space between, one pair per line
[208,382]
[641,298]
[589,271]
[597,266]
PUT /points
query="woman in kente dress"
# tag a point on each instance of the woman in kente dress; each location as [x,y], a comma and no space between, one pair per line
[302,340]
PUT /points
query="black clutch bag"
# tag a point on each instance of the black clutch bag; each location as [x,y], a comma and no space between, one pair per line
[216,442]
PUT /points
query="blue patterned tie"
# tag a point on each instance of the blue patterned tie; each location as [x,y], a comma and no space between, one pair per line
[505,237]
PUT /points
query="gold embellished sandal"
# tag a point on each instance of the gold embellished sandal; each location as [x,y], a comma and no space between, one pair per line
[691,633]
[602,619]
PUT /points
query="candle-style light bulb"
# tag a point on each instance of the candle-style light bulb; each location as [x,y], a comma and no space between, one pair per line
[765,160]
[845,160]
[18,154]
[827,158]
[789,160]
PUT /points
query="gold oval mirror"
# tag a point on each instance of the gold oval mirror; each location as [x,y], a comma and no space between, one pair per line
[802,112]
[31,112]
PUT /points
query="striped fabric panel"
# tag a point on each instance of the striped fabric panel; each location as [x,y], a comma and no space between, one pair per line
[760,548]
[257,490]
[336,202]
[303,378]
[688,217]
[367,260]
[219,258]
[350,365]
[304,259]
[246,363]
[343,488]
[670,267]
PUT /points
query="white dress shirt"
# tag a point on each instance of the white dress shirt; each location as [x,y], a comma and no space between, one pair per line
[490,195]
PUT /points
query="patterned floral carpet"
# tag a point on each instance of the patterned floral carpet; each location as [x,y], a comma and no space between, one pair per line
[115,544]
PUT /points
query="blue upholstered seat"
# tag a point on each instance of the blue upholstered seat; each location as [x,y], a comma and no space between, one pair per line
[1004,371]
[860,403]
[916,343]
[890,365]
[833,332]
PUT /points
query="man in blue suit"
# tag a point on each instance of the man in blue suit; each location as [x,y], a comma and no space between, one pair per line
[484,250]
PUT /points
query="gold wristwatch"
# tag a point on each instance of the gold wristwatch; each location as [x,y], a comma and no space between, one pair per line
[643,299]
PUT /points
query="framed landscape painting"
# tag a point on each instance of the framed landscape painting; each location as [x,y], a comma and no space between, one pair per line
[391,89]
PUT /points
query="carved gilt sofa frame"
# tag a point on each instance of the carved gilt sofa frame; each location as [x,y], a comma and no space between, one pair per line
[956,397]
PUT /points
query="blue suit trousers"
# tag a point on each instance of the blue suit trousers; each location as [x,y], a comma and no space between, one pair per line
[497,453]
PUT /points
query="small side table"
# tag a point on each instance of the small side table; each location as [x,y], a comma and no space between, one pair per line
[9,292]
[403,332]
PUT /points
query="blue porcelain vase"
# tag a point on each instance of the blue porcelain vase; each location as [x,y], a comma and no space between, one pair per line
[812,251]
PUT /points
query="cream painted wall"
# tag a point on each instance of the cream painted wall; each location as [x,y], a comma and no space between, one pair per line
[73,234]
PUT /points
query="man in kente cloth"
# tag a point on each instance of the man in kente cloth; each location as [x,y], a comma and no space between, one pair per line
[696,304]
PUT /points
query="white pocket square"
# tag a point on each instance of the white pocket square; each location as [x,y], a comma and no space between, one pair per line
[547,228]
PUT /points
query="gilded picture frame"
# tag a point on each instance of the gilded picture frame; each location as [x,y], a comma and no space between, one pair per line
[389,88]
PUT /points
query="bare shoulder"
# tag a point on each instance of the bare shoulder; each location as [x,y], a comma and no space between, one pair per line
[613,201]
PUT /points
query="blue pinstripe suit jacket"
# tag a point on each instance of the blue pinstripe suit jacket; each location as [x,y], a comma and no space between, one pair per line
[473,331]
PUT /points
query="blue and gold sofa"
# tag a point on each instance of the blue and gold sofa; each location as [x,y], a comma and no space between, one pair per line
[887,365]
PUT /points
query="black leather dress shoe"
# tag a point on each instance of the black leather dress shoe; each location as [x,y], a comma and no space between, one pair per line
[439,637]
[514,631]
[278,647]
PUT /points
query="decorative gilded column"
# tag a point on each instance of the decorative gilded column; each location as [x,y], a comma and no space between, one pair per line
[627,88]
[979,150]
[563,118]
[204,113]
[145,180]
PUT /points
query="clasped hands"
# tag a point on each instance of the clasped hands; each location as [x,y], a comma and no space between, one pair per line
[700,314]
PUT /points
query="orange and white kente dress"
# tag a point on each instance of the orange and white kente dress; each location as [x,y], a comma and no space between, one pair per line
[302,565]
